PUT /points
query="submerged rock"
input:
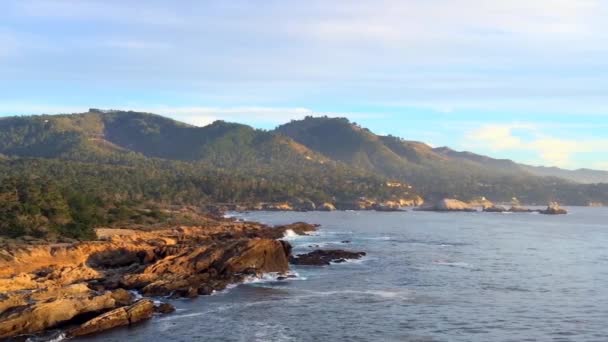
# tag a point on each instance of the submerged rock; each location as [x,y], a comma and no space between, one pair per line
[325,257]
[164,308]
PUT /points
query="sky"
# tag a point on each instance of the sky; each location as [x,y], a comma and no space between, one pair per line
[519,79]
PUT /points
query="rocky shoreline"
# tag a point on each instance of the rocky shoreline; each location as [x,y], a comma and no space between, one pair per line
[84,288]
[444,205]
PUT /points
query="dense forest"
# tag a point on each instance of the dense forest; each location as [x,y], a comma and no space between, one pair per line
[47,197]
[61,175]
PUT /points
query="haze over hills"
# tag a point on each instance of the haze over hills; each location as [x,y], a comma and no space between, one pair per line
[317,158]
[584,176]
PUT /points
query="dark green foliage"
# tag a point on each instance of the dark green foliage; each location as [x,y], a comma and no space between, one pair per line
[36,207]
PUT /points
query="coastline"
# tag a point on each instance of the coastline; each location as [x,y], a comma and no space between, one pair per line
[70,290]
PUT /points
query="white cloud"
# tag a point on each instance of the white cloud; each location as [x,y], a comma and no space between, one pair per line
[201,116]
[497,137]
[550,151]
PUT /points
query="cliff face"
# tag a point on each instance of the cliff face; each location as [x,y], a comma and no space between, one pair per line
[46,286]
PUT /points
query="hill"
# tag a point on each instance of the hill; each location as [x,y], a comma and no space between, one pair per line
[140,156]
[63,174]
[434,172]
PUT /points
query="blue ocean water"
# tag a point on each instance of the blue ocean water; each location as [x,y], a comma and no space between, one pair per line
[427,277]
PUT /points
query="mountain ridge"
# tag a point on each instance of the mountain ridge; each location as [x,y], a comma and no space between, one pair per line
[300,148]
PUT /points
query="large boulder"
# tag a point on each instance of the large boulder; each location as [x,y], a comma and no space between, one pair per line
[37,316]
[127,315]
[325,257]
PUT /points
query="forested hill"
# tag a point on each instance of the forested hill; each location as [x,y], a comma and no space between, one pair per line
[141,155]
[64,174]
[115,135]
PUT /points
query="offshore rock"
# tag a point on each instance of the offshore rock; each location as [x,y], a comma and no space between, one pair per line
[325,257]
[495,209]
[554,209]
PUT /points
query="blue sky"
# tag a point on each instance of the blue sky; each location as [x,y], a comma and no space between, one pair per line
[520,79]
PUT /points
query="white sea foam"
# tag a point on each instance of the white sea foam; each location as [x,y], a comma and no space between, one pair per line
[55,338]
[177,317]
[273,277]
[379,238]
[452,264]
[353,261]
[265,278]
[136,295]
[290,234]
[403,294]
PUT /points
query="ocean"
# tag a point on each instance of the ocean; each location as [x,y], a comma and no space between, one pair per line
[426,277]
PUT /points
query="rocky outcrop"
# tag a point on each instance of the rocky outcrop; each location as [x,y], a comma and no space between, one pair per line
[388,206]
[495,209]
[46,310]
[415,201]
[46,286]
[326,207]
[298,228]
[127,315]
[447,204]
[481,202]
[554,209]
[204,269]
[520,209]
[303,205]
[283,206]
[325,257]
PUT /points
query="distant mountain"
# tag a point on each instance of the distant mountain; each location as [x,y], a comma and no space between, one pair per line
[142,156]
[584,176]
[435,172]
[317,157]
